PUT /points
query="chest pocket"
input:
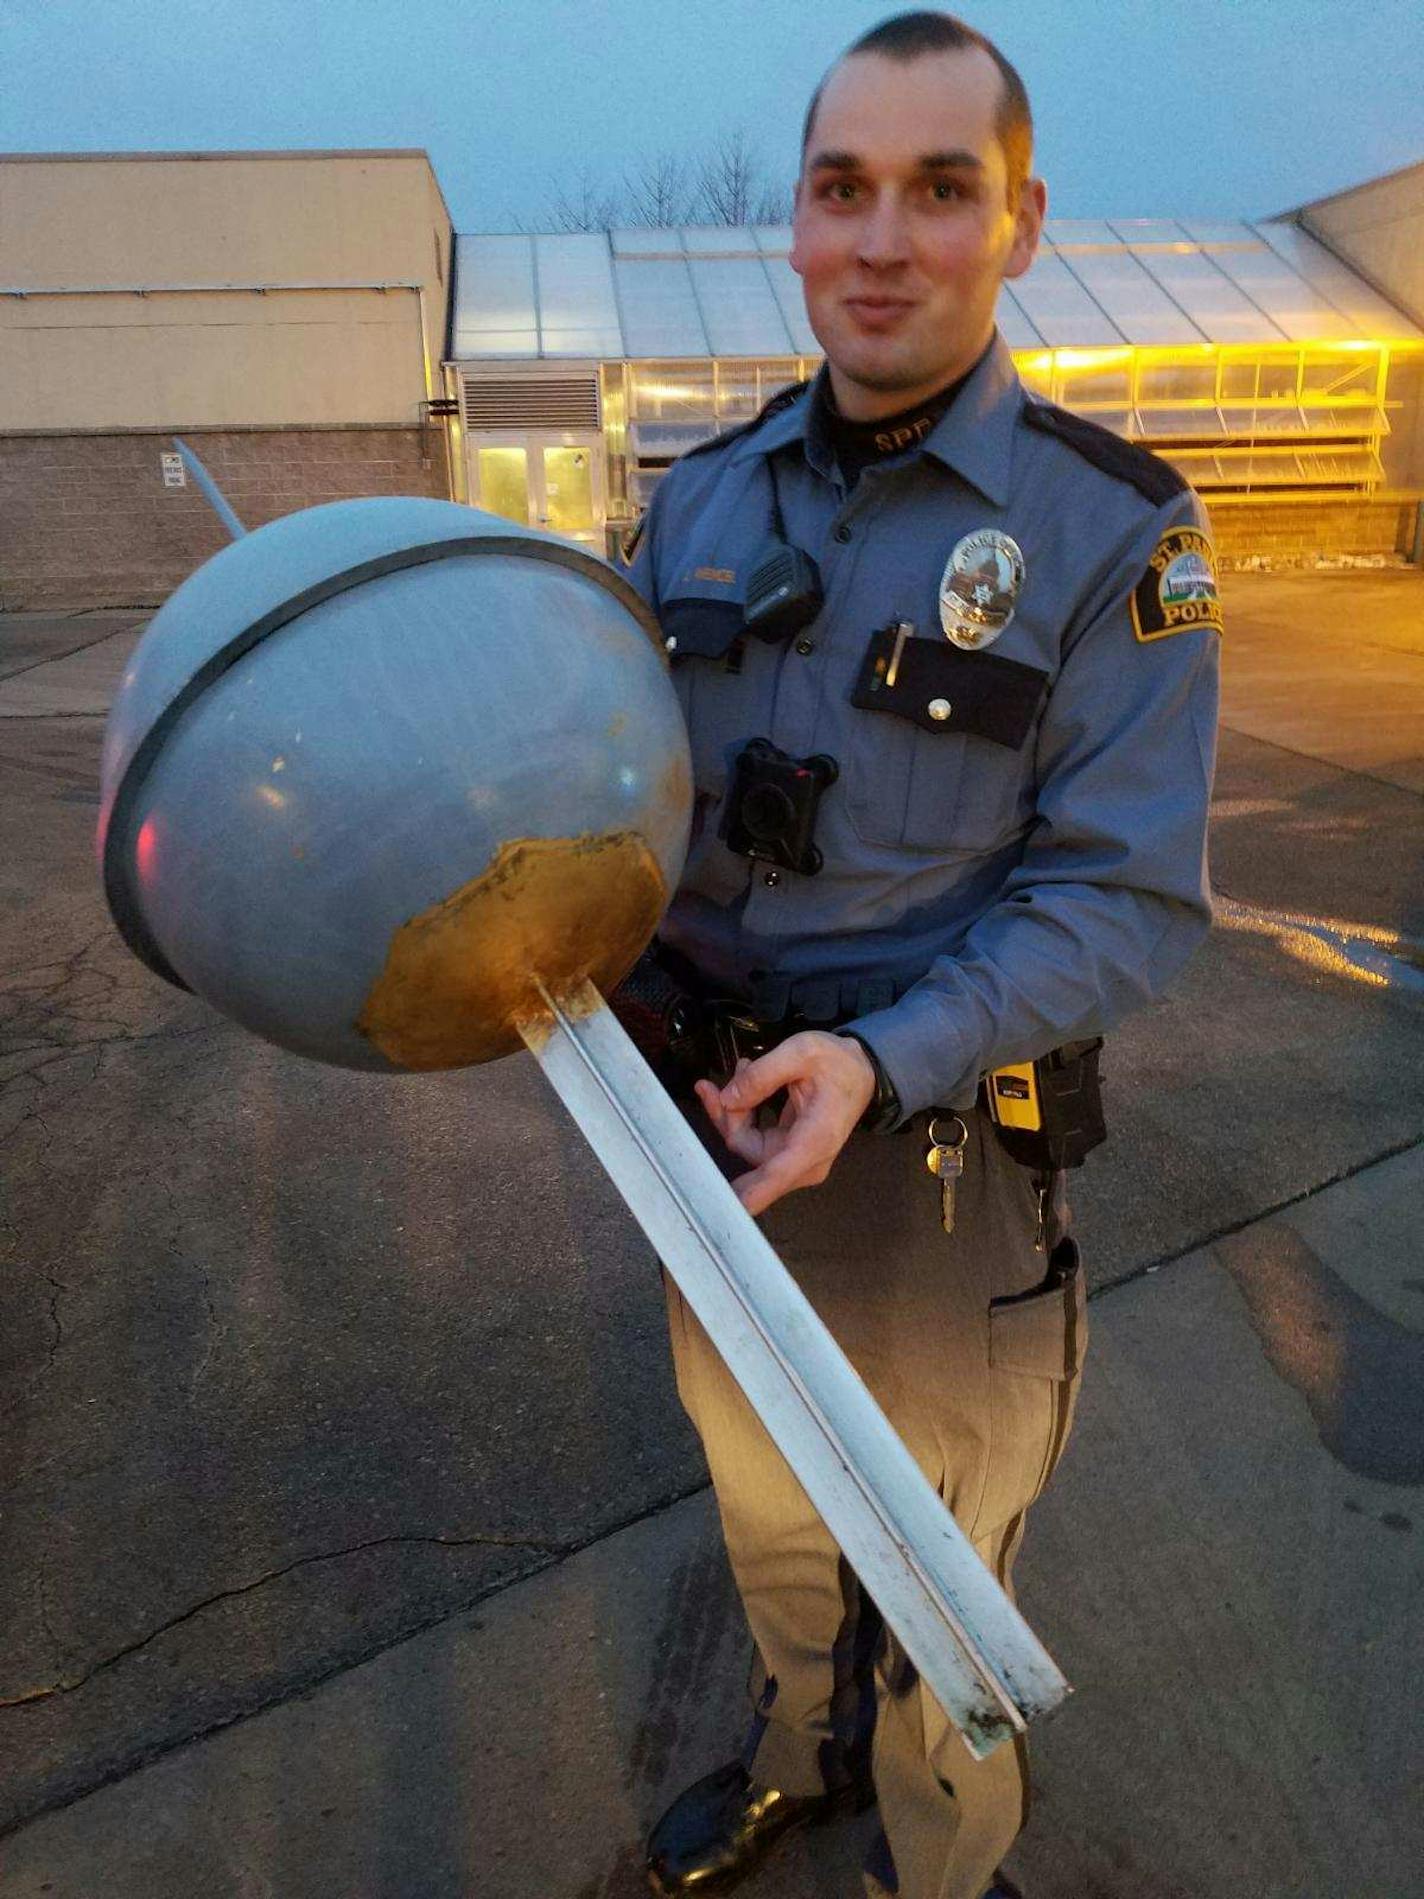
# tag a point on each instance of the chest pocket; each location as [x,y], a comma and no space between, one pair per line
[943,763]
[702,636]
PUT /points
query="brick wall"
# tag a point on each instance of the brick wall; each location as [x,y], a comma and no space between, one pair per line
[85,520]
[1295,532]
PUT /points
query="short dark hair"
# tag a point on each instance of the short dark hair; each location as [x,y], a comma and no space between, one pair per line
[909,36]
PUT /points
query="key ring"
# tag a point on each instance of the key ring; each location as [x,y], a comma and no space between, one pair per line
[936,1140]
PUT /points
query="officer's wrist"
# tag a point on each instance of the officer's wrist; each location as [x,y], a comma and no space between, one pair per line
[884,1109]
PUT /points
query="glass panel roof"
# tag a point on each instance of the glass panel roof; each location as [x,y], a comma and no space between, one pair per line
[494,297]
[703,240]
[1141,309]
[1194,280]
[660,313]
[639,241]
[1058,231]
[1324,271]
[786,286]
[721,291]
[574,284]
[739,307]
[1019,333]
[1302,313]
[1140,231]
[1058,306]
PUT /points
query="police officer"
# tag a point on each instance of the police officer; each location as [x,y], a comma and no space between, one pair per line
[948,659]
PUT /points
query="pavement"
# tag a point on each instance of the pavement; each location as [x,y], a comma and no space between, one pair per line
[353,1540]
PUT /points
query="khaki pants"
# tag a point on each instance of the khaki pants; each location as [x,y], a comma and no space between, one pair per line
[977,1368]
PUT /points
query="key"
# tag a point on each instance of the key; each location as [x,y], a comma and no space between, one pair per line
[945,1161]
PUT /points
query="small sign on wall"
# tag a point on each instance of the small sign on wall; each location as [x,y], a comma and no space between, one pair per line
[175,475]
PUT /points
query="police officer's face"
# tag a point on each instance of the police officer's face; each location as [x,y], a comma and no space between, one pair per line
[903,227]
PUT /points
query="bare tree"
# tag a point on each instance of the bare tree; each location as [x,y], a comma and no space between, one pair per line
[659,192]
[726,184]
[583,206]
[726,180]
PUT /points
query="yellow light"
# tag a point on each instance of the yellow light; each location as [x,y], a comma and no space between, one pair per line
[1329,944]
[673,392]
[1071,359]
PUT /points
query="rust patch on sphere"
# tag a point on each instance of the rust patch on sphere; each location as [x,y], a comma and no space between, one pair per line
[460,976]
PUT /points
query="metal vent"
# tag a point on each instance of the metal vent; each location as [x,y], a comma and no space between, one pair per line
[531,402]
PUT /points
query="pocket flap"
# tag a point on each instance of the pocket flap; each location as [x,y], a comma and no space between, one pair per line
[1043,1331]
[994,698]
[700,629]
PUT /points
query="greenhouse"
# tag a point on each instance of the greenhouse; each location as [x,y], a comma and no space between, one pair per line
[1270,372]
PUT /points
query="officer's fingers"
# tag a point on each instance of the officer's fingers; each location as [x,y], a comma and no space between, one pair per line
[734,1125]
[755,1082]
[801,1155]
[781,1173]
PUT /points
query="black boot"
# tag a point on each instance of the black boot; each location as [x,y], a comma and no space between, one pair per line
[724,1825]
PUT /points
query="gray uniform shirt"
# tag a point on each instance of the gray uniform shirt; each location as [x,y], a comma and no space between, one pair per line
[979,902]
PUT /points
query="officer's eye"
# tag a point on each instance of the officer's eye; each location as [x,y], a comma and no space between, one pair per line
[840,191]
[946,191]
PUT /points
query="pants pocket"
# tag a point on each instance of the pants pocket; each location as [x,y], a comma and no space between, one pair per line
[1037,1341]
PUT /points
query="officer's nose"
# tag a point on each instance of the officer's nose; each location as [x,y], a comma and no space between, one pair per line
[884,234]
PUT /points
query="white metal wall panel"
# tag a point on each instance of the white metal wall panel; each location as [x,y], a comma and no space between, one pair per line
[494,297]
[578,315]
[1058,306]
[1140,307]
[660,311]
[739,307]
[1302,312]
[1192,279]
[786,287]
[1377,318]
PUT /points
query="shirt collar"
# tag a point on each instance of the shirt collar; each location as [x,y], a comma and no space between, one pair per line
[974,437]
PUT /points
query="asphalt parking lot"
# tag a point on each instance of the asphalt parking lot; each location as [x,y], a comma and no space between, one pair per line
[354,1541]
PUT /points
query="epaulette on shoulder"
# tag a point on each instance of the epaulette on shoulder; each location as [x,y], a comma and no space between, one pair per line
[1143,470]
[783,399]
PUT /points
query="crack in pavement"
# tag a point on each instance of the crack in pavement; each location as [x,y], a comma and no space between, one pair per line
[53,659]
[1134,1273]
[145,1755]
[70,1684]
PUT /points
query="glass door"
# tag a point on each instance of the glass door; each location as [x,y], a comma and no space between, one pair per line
[554,482]
[501,484]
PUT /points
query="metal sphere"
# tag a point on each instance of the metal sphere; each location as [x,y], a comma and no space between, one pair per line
[379,768]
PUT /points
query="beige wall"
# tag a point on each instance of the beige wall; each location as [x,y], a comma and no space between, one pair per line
[221,358]
[1379,228]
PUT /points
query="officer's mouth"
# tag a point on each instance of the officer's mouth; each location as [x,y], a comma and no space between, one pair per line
[878,313]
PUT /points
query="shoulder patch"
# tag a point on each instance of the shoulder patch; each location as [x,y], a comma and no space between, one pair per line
[783,399]
[1178,590]
[1139,467]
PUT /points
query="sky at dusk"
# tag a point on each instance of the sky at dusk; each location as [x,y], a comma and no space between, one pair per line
[1223,108]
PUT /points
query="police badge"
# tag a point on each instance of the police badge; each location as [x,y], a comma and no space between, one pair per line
[977,591]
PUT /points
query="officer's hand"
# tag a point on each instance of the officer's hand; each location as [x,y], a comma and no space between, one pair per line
[829,1082]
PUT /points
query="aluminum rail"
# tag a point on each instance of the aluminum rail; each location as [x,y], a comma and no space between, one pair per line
[973,1649]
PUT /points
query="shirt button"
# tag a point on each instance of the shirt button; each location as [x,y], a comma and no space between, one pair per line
[843,532]
[804,647]
[771,878]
